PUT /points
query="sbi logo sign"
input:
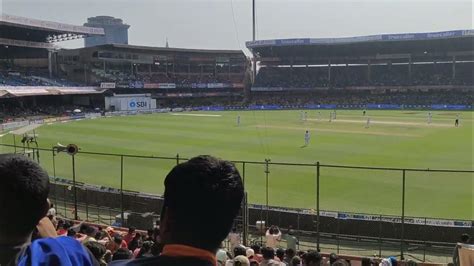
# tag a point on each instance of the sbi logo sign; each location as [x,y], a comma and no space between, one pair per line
[137,104]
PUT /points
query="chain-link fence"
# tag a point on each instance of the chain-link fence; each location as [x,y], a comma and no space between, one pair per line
[346,209]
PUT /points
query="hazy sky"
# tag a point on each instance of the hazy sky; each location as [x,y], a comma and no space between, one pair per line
[210,23]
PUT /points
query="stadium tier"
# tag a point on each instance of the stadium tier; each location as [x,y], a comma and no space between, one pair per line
[391,61]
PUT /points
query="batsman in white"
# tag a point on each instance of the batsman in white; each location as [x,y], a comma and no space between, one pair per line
[430,117]
[238,120]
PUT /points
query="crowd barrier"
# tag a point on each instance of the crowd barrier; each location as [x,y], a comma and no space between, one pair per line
[115,190]
[448,107]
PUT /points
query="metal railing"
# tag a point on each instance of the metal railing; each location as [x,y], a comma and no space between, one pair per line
[125,173]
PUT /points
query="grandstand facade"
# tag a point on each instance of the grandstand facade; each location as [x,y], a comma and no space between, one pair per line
[27,83]
[171,75]
[380,65]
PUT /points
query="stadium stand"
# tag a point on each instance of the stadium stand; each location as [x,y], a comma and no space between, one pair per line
[397,68]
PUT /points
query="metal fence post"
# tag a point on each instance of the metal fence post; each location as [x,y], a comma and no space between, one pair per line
[317,207]
[380,236]
[87,206]
[245,221]
[54,179]
[177,158]
[121,191]
[74,186]
[267,171]
[402,237]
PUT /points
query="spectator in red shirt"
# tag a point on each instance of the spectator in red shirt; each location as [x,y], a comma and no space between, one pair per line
[130,235]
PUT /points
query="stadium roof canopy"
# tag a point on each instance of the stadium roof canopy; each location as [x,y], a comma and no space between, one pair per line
[35,33]
[415,46]
[22,91]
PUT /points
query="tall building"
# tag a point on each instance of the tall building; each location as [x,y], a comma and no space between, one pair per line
[116,32]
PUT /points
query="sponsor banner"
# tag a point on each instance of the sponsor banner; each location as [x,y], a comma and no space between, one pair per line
[15,125]
[449,107]
[198,85]
[122,85]
[50,120]
[159,86]
[21,43]
[151,85]
[384,106]
[265,107]
[166,85]
[107,85]
[63,118]
[66,28]
[320,106]
[78,116]
[358,39]
[238,85]
[37,121]
[135,85]
[93,115]
[218,85]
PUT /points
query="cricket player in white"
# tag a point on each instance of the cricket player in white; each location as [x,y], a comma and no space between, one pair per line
[319,115]
[367,125]
[302,116]
[430,116]
[238,120]
[306,138]
[305,116]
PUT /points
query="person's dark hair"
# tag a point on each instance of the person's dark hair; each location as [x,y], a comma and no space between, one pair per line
[366,262]
[122,254]
[295,261]
[332,258]
[290,253]
[201,188]
[465,238]
[341,262]
[100,235]
[136,242]
[71,233]
[239,250]
[131,229]
[280,253]
[256,248]
[145,250]
[24,189]
[312,258]
[97,249]
[118,239]
[268,253]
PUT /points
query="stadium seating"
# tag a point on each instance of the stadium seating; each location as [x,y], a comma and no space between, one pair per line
[348,76]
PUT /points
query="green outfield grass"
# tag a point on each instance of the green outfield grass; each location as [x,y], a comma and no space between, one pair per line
[401,139]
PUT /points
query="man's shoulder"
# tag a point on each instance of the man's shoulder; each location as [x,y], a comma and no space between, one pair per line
[163,261]
[57,251]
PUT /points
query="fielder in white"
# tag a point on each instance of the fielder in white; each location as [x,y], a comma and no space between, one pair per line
[430,117]
[306,138]
[238,120]
[367,125]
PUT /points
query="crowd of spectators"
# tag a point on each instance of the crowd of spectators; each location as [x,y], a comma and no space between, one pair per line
[13,111]
[357,75]
[343,97]
[177,77]
[31,77]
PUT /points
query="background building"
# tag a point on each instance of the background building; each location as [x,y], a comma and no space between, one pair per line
[116,32]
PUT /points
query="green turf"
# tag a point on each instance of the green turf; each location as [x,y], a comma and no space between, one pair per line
[394,139]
